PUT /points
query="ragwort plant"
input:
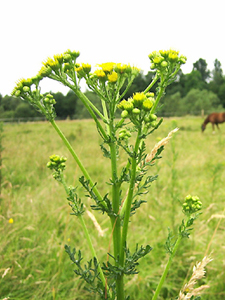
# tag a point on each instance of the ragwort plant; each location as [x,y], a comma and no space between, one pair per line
[138,120]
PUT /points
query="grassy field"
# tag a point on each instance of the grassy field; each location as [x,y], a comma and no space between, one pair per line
[33,263]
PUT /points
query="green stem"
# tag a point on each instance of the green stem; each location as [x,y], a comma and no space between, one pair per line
[129,197]
[161,91]
[163,277]
[116,226]
[82,168]
[127,88]
[152,83]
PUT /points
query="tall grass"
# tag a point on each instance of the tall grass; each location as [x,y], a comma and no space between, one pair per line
[33,263]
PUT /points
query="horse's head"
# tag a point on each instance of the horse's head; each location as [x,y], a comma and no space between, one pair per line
[203,127]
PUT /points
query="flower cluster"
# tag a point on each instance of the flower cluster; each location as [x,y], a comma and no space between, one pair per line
[82,70]
[59,63]
[139,106]
[57,163]
[111,71]
[192,204]
[22,87]
[164,59]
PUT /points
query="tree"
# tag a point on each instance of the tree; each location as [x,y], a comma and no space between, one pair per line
[197,100]
[65,105]
[217,83]
[193,80]
[24,110]
[201,66]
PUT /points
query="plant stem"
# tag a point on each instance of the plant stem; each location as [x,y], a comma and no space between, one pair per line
[116,226]
[129,197]
[161,91]
[152,83]
[82,168]
[163,277]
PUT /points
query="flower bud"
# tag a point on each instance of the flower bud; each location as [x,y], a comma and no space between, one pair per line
[67,57]
[17,93]
[136,111]
[45,71]
[152,117]
[164,64]
[153,124]
[26,89]
[150,95]
[153,66]
[124,114]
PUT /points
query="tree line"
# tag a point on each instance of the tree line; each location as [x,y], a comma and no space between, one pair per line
[191,93]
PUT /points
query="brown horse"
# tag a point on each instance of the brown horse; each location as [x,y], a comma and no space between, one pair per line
[214,119]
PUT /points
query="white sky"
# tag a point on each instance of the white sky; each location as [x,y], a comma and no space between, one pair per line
[123,31]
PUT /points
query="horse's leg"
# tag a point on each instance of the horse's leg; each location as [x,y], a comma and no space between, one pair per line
[218,126]
[213,128]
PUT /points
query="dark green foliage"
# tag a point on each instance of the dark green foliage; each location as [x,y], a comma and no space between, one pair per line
[131,262]
[89,273]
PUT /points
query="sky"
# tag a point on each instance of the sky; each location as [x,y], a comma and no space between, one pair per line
[123,31]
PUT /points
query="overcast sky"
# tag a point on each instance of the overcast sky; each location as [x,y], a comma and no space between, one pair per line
[123,31]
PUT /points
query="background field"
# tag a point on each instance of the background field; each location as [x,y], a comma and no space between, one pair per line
[32,247]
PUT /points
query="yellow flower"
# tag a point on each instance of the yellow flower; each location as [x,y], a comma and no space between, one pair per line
[86,68]
[173,56]
[138,99]
[113,77]
[45,71]
[58,57]
[53,64]
[107,67]
[100,74]
[120,68]
[10,221]
[147,104]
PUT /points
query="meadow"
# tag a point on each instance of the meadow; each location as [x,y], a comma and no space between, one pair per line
[33,262]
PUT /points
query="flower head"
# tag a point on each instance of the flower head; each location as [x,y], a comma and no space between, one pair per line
[11,221]
[138,99]
[112,77]
[192,204]
[100,74]
[107,67]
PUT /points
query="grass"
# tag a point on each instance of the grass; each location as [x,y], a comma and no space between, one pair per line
[32,247]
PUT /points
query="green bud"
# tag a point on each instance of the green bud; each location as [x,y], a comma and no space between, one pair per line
[124,114]
[153,123]
[146,119]
[153,66]
[122,135]
[17,93]
[164,64]
[150,94]
[49,164]
[136,111]
[152,117]
[46,100]
[67,57]
[26,89]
